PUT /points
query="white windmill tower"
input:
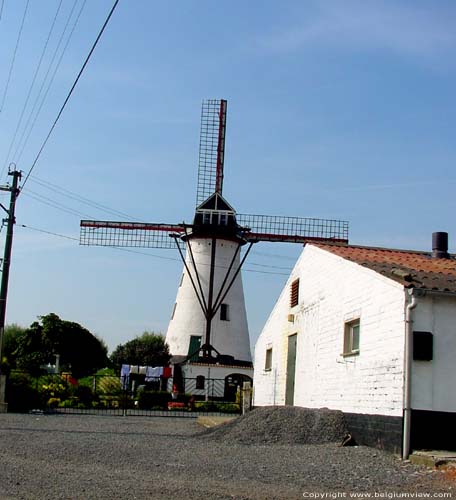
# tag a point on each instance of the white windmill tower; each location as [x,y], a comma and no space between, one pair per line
[208,327]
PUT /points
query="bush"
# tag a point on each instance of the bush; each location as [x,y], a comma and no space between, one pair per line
[21,393]
[85,395]
[53,386]
[153,399]
[209,406]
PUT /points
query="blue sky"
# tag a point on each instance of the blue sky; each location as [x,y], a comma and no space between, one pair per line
[336,109]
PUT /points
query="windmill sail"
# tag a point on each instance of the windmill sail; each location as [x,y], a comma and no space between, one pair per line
[128,234]
[292,229]
[212,149]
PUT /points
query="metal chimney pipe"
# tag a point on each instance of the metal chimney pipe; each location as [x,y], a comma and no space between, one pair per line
[440,245]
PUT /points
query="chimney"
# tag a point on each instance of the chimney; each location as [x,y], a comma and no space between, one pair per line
[440,245]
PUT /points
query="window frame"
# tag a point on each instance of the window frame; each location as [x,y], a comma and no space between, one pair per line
[268,360]
[200,383]
[352,331]
[224,312]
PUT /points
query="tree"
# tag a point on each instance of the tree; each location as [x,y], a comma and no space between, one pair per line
[149,349]
[80,351]
[11,338]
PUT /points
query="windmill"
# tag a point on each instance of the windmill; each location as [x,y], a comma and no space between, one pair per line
[209,322]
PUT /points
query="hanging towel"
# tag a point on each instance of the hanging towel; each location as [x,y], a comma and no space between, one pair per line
[124,376]
[167,372]
[149,374]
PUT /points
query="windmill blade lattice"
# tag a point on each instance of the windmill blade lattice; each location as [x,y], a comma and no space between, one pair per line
[128,234]
[292,229]
[212,149]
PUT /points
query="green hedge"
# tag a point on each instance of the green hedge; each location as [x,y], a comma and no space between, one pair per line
[148,400]
[22,394]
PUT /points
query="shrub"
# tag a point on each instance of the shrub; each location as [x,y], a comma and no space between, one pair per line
[209,406]
[150,399]
[21,393]
[85,395]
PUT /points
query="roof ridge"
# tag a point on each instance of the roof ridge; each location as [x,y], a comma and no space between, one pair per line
[368,247]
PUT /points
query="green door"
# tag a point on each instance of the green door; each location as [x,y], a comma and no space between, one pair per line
[291,370]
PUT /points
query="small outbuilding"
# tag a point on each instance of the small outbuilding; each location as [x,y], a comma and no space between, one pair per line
[372,332]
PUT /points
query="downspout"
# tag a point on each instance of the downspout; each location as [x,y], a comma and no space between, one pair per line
[408,375]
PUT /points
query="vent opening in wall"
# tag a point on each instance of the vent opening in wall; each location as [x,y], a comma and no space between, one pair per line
[294,293]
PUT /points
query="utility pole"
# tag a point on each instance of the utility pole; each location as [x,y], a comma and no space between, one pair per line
[10,221]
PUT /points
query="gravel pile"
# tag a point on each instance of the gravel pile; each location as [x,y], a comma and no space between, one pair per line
[284,425]
[99,457]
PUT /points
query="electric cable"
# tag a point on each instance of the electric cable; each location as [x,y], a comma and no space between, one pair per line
[71,91]
[1,9]
[81,199]
[22,143]
[53,204]
[14,56]
[31,86]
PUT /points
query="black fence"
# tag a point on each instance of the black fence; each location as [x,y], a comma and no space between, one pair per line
[114,395]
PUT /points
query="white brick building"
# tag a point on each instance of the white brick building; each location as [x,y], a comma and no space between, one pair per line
[336,338]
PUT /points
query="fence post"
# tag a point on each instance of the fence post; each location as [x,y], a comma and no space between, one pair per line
[3,404]
[246,397]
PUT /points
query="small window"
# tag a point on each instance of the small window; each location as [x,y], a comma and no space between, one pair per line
[351,337]
[223,218]
[174,310]
[268,360]
[206,218]
[200,380]
[224,312]
[422,346]
[294,293]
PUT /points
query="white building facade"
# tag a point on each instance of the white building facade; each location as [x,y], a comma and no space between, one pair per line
[336,338]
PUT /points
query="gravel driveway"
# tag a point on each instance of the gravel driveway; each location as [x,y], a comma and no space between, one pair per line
[91,457]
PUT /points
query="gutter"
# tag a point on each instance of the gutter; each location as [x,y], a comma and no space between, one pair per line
[408,375]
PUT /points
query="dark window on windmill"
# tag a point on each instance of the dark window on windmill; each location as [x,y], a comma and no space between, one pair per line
[294,293]
[224,310]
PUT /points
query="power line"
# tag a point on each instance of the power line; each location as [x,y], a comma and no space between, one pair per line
[51,81]
[31,86]
[14,55]
[51,203]
[71,90]
[49,232]
[81,199]
[1,9]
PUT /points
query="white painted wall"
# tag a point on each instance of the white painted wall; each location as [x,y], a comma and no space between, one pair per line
[434,382]
[228,337]
[332,291]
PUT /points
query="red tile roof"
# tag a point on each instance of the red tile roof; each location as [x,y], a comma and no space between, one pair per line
[409,268]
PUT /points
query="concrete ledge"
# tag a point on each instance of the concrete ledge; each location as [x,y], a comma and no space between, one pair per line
[213,421]
[433,458]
